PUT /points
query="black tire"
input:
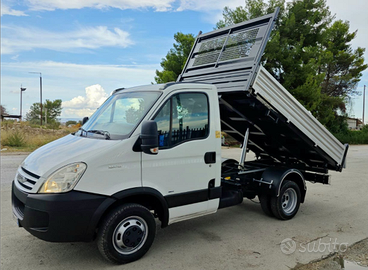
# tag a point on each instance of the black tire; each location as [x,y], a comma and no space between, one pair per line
[286,205]
[266,204]
[126,233]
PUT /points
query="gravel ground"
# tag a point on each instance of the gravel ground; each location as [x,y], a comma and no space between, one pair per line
[354,258]
[239,237]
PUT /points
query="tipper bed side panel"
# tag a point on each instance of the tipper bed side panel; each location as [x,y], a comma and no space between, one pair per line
[271,136]
[269,89]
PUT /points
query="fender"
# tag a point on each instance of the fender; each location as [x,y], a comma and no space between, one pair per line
[101,210]
[228,164]
[146,191]
[277,177]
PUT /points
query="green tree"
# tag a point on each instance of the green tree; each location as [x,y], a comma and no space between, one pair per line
[308,54]
[70,122]
[3,110]
[251,10]
[342,67]
[50,109]
[341,64]
[175,59]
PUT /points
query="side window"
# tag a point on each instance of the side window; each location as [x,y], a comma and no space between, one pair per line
[188,119]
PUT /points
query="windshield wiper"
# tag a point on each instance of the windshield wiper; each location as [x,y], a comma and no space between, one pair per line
[100,132]
[106,134]
[83,130]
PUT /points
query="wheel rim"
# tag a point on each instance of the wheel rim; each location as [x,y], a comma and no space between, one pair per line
[289,200]
[130,235]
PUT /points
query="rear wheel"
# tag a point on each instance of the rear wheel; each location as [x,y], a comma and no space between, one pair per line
[266,204]
[126,233]
[286,205]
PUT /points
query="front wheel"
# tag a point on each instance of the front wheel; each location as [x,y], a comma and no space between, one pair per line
[126,233]
[286,205]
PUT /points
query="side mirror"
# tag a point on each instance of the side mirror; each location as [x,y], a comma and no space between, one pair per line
[85,119]
[149,137]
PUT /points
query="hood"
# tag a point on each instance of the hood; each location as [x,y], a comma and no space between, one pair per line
[63,151]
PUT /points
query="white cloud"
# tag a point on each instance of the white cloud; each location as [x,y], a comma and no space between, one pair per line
[6,10]
[15,57]
[119,75]
[158,5]
[208,5]
[211,9]
[82,106]
[15,39]
[71,70]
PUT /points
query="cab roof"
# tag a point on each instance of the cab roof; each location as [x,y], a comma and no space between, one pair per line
[155,87]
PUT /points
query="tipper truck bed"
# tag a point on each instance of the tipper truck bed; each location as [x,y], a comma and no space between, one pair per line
[155,152]
[281,129]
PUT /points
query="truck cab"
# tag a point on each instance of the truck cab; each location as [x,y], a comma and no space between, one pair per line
[64,189]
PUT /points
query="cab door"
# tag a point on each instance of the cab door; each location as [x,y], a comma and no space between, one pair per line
[185,168]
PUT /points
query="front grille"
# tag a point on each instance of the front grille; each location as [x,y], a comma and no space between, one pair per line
[31,174]
[26,179]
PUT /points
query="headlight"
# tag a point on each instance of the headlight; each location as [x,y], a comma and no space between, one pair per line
[63,179]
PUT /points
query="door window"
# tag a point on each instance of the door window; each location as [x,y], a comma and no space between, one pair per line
[183,117]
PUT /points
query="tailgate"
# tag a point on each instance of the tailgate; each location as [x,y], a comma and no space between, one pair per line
[228,57]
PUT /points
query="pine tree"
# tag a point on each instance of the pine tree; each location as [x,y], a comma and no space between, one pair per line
[309,54]
[175,59]
[50,109]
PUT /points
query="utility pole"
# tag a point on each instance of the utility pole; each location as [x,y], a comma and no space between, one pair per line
[21,91]
[363,104]
[40,93]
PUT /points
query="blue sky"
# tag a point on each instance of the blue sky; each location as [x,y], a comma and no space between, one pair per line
[87,48]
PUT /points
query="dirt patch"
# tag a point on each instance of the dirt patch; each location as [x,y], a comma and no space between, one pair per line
[355,257]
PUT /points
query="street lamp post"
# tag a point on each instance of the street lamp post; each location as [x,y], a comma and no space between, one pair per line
[40,93]
[21,91]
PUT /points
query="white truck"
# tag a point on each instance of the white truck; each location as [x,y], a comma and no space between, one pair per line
[155,152]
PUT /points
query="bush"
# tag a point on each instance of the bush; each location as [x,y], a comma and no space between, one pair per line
[53,125]
[7,123]
[14,139]
[71,122]
[353,136]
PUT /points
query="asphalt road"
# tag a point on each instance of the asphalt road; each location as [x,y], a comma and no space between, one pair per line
[239,237]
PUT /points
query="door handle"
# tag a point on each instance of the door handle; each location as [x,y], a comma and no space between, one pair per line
[210,157]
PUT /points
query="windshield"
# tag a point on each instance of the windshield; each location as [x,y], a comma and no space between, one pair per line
[117,118]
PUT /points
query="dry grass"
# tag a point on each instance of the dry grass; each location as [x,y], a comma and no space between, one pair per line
[17,137]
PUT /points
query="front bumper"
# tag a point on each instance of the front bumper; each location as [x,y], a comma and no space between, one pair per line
[65,217]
